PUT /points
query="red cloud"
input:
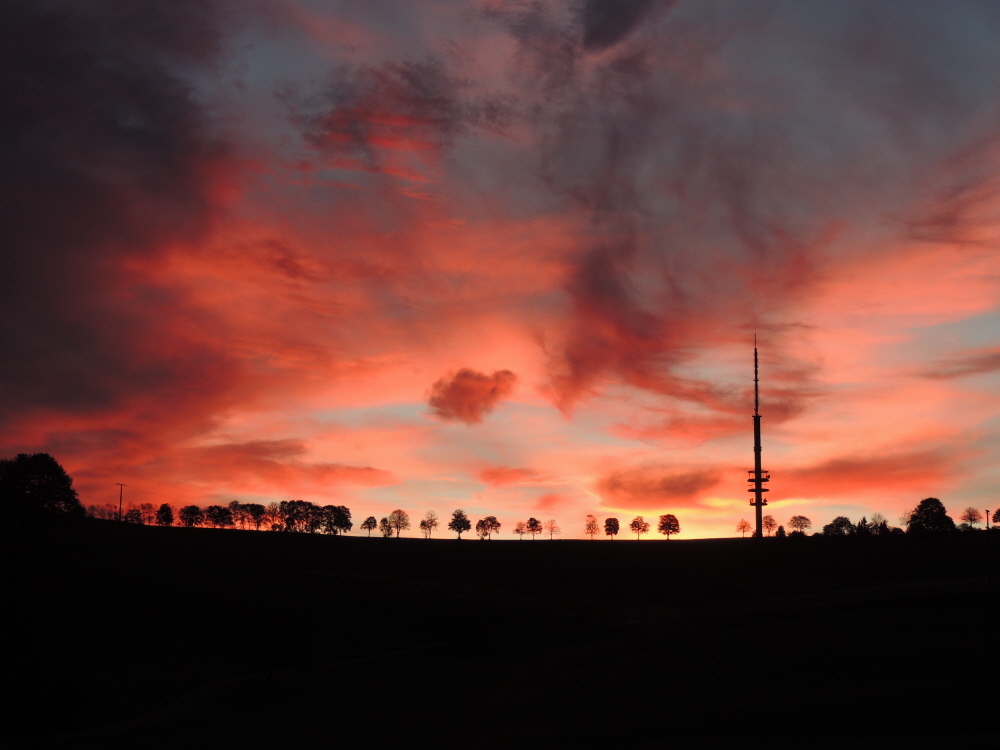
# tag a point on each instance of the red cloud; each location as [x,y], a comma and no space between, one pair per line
[501,476]
[274,464]
[919,471]
[551,501]
[467,395]
[654,487]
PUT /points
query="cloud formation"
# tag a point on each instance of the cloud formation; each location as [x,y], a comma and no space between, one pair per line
[652,487]
[467,396]
[241,238]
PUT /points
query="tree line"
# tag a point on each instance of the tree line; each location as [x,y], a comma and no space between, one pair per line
[929,516]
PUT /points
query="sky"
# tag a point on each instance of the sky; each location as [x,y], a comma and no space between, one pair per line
[505,255]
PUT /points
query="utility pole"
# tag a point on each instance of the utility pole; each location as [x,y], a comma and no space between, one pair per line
[757,476]
[121,488]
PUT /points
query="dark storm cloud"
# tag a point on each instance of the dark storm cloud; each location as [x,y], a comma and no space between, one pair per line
[414,106]
[467,396]
[718,150]
[606,22]
[105,156]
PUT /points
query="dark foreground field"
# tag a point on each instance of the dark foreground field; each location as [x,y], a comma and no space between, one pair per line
[141,637]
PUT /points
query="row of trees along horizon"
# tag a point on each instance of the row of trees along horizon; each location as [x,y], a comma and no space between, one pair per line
[35,487]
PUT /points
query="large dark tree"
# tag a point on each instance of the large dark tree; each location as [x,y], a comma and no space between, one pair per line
[611,527]
[669,525]
[487,527]
[839,526]
[191,515]
[165,515]
[930,517]
[34,487]
[219,516]
[534,526]
[255,513]
[336,519]
[459,522]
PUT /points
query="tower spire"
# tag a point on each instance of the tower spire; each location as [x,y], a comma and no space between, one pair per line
[757,476]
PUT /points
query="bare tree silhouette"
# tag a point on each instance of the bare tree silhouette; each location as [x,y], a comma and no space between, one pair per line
[800,524]
[591,526]
[399,519]
[769,524]
[429,524]
[551,528]
[520,528]
[971,516]
[743,527]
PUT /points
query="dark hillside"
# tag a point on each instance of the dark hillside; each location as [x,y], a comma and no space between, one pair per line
[133,636]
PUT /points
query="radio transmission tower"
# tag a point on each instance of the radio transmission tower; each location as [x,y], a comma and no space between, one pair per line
[757,476]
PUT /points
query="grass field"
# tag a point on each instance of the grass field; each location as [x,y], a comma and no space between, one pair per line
[142,637]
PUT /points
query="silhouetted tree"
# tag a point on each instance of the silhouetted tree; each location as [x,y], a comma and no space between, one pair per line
[256,513]
[780,533]
[219,516]
[551,527]
[800,523]
[459,522]
[239,512]
[971,516]
[878,525]
[133,515]
[385,527]
[35,488]
[639,526]
[481,529]
[862,527]
[520,528]
[301,515]
[369,525]
[430,523]
[533,526]
[743,527]
[336,519]
[165,515]
[769,524]
[611,527]
[490,525]
[669,525]
[191,515]
[996,516]
[148,513]
[399,520]
[274,518]
[930,517]
[904,519]
[107,512]
[591,527]
[839,526]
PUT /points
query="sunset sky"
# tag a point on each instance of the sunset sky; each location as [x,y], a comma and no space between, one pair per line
[505,255]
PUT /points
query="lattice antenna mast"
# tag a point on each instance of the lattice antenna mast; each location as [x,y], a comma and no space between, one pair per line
[758,477]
